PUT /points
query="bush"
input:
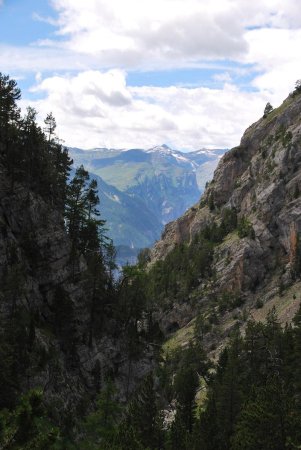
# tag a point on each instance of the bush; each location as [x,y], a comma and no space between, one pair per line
[267,110]
[245,228]
[229,219]
[259,303]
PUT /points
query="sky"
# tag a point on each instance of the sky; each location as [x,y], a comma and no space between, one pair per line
[190,74]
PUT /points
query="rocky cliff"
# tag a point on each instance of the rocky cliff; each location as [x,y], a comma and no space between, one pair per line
[261,181]
[44,311]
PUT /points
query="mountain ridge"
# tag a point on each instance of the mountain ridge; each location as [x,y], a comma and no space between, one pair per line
[159,182]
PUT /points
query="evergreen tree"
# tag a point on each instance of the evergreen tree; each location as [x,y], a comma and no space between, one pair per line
[267,110]
[28,426]
[50,126]
[265,422]
[144,416]
[101,426]
[9,111]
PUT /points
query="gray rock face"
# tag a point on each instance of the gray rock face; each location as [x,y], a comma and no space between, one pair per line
[34,266]
[261,179]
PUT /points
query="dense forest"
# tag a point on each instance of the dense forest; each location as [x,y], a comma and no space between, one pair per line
[248,399]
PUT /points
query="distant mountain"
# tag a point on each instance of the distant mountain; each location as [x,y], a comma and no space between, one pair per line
[142,190]
[129,221]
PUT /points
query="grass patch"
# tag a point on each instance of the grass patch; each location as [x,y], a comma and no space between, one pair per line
[286,305]
[201,396]
[180,338]
[279,110]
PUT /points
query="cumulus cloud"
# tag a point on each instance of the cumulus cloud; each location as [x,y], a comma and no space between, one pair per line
[274,51]
[140,32]
[95,109]
[160,34]
[153,33]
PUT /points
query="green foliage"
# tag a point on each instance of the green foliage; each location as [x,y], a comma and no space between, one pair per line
[296,262]
[265,420]
[296,191]
[267,110]
[284,136]
[245,228]
[28,426]
[201,327]
[144,257]
[253,399]
[88,237]
[28,155]
[100,427]
[229,220]
[211,202]
[187,264]
[228,301]
[259,303]
[297,89]
[181,270]
[14,355]
[9,112]
[144,417]
[85,229]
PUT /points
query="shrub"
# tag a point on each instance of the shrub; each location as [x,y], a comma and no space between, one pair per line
[259,303]
[267,110]
[245,228]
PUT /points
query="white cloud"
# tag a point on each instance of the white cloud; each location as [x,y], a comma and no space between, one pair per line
[166,33]
[276,55]
[99,109]
[151,33]
[160,34]
[32,59]
[96,107]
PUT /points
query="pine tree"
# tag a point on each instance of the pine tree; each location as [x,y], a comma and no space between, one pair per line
[50,126]
[144,417]
[9,112]
[101,426]
[264,423]
[267,110]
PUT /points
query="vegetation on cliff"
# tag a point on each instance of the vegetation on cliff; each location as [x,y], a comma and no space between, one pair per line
[81,361]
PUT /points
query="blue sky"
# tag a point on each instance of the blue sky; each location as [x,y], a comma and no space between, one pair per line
[19,25]
[138,73]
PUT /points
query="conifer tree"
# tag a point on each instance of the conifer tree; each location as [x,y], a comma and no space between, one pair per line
[101,426]
[144,416]
[9,111]
[50,126]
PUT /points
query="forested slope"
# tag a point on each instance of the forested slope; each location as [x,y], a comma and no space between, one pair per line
[185,350]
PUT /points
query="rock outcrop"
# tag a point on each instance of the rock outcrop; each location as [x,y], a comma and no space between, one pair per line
[38,279]
[261,180]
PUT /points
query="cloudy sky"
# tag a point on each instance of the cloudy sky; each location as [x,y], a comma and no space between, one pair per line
[139,73]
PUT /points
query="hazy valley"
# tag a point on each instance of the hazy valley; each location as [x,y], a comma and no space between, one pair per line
[142,190]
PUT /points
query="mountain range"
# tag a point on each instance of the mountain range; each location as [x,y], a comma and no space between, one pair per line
[142,190]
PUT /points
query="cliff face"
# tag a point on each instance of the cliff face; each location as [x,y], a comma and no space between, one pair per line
[261,180]
[52,305]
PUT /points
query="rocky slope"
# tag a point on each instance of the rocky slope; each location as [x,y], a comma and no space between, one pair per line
[36,279]
[261,180]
